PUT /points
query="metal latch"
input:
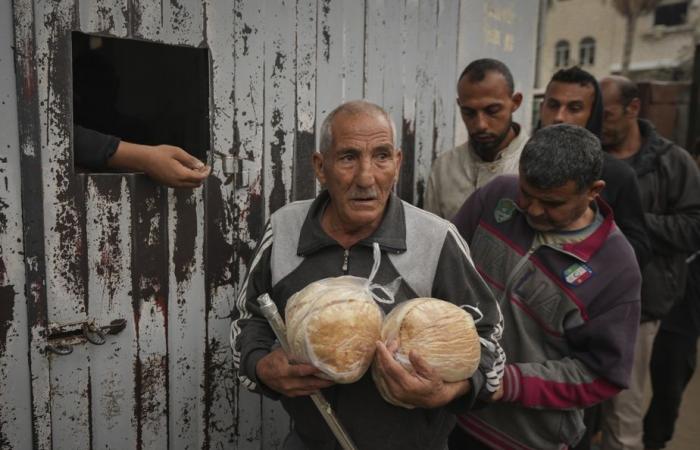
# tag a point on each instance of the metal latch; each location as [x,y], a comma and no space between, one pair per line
[63,337]
[232,168]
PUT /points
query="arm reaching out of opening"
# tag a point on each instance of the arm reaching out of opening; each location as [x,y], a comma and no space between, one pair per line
[165,164]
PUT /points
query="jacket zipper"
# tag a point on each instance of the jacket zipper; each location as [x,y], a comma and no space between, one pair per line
[346,257]
[516,269]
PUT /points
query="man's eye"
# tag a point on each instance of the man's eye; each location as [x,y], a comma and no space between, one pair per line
[492,111]
[347,157]
[383,156]
[468,112]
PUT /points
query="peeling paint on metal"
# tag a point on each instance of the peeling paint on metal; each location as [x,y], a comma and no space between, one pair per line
[277,69]
[185,231]
[408,143]
[7,306]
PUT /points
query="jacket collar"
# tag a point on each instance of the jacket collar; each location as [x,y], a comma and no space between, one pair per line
[390,235]
[586,248]
[652,147]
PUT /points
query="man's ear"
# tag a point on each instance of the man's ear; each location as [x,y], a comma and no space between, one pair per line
[595,189]
[517,100]
[317,162]
[632,110]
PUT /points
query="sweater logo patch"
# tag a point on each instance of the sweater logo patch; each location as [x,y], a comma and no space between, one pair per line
[505,208]
[577,273]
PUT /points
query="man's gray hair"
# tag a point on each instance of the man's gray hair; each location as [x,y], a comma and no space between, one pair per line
[557,154]
[354,107]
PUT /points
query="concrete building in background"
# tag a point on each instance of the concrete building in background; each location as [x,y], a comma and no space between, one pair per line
[591,33]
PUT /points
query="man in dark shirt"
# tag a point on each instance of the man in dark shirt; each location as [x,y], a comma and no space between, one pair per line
[669,184]
[573,96]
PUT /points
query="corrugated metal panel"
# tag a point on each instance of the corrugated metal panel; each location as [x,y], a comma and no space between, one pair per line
[169,261]
[220,233]
[249,72]
[15,388]
[186,321]
[32,216]
[109,248]
[149,300]
[306,118]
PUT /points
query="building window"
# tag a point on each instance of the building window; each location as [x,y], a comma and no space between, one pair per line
[587,51]
[561,54]
[671,15]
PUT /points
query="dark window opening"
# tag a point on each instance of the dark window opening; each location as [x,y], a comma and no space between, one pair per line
[587,51]
[561,54]
[671,15]
[142,92]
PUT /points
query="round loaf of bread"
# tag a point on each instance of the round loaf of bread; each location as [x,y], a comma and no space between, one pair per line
[442,333]
[334,324]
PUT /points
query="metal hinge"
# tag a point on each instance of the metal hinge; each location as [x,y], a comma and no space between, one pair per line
[62,337]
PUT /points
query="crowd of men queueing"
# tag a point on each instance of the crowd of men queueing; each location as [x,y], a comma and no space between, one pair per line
[574,248]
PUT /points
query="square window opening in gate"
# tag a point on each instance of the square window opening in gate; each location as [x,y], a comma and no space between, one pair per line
[140,92]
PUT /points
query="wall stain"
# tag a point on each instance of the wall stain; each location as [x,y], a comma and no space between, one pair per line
[185,234]
[70,259]
[245,34]
[7,313]
[219,231]
[304,178]
[280,59]
[217,369]
[109,245]
[408,147]
[326,31]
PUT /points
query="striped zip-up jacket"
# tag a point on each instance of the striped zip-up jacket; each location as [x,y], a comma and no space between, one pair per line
[571,314]
[430,258]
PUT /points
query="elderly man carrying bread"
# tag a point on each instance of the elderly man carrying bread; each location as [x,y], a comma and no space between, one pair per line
[336,234]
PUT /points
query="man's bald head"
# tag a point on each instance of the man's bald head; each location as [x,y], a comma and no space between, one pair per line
[621,106]
[625,89]
[351,108]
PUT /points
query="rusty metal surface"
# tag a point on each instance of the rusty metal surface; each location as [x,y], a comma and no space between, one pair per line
[248,51]
[305,142]
[32,216]
[149,302]
[15,388]
[170,261]
[109,249]
[109,17]
[220,235]
[186,318]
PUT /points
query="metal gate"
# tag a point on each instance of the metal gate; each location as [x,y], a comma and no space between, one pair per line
[94,248]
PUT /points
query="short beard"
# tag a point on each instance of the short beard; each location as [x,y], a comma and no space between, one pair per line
[486,151]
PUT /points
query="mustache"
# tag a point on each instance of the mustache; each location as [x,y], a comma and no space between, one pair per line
[363,194]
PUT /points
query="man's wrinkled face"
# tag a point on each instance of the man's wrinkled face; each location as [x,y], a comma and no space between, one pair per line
[359,170]
[570,103]
[616,122]
[554,209]
[487,108]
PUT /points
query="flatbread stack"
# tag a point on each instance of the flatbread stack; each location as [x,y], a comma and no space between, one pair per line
[333,324]
[442,333]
